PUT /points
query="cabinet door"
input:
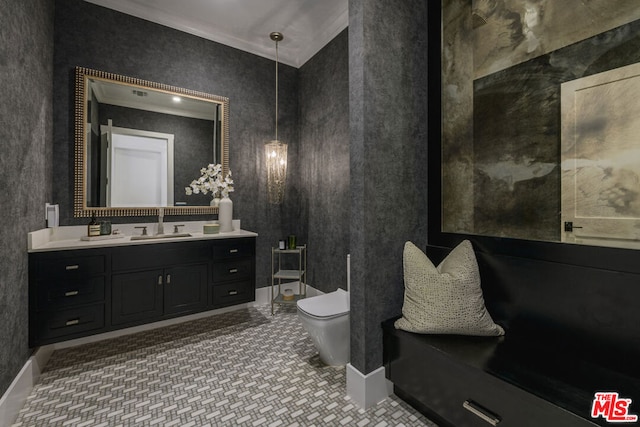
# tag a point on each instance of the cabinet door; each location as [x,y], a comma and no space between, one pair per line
[137,296]
[185,288]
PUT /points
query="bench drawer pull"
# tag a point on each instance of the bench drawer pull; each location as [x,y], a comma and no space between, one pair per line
[481,412]
[72,267]
[72,322]
[71,293]
[233,251]
[233,270]
[233,292]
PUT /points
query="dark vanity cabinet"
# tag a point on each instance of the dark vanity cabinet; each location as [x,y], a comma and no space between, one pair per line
[149,294]
[233,273]
[68,293]
[169,280]
[186,288]
[136,296]
[75,293]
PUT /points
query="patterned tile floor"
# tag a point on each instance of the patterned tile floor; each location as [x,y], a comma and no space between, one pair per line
[239,368]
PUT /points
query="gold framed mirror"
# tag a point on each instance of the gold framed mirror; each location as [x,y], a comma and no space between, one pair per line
[139,144]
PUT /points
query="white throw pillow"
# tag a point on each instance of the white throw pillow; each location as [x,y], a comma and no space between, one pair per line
[446,299]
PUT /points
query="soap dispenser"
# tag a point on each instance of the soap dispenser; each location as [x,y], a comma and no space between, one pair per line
[93,229]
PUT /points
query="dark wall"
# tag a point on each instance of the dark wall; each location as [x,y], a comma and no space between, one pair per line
[26,58]
[388,156]
[91,36]
[324,160]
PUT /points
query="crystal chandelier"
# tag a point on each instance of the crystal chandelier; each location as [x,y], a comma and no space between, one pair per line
[276,151]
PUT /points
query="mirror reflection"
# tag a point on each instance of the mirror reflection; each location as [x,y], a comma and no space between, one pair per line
[516,130]
[129,167]
[143,143]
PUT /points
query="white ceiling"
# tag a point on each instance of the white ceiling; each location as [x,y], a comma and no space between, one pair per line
[307,25]
[115,93]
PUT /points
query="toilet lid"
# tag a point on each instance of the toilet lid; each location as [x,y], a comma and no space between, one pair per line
[328,305]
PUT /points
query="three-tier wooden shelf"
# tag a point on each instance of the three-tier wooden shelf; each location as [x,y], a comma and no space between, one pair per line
[282,278]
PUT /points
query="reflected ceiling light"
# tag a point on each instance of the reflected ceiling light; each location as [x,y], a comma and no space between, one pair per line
[276,151]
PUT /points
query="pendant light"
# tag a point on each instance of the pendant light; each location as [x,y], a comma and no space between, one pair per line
[276,150]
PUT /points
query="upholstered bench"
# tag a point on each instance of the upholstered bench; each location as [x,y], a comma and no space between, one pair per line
[557,353]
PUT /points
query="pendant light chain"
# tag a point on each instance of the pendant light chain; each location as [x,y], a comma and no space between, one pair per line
[276,90]
[276,150]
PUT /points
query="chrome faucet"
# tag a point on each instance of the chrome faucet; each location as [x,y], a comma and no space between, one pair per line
[160,220]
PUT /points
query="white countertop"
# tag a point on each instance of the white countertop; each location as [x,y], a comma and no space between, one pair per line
[68,237]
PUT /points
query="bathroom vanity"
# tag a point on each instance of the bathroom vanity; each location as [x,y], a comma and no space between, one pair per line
[81,288]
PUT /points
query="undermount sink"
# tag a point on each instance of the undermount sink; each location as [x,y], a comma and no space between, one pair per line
[160,236]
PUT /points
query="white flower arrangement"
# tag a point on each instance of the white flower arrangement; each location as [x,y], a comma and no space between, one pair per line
[212,182]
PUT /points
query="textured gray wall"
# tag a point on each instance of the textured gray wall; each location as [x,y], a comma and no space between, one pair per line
[91,36]
[26,58]
[324,159]
[388,133]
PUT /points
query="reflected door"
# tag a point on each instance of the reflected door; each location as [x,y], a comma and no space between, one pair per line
[601,158]
[140,168]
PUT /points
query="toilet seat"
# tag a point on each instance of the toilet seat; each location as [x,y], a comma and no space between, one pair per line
[327,306]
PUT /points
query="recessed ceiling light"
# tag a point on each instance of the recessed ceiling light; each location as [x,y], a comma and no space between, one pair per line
[177,99]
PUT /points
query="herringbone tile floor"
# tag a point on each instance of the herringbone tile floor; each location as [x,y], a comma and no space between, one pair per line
[239,368]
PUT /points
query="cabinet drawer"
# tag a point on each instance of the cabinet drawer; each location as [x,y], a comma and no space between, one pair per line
[468,396]
[159,255]
[64,293]
[234,248]
[71,268]
[233,293]
[70,321]
[234,269]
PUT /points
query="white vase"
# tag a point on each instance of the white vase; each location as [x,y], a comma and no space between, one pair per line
[215,202]
[225,215]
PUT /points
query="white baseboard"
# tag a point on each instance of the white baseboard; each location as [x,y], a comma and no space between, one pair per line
[367,390]
[312,292]
[13,399]
[263,295]
[146,327]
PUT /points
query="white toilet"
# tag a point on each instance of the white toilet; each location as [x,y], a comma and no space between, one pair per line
[326,319]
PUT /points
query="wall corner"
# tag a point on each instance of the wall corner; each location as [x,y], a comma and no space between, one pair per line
[367,390]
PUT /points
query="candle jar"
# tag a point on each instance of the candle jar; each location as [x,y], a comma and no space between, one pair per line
[105,228]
